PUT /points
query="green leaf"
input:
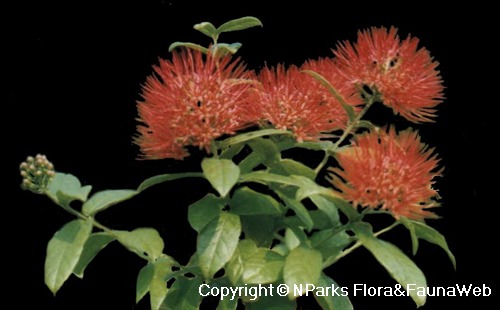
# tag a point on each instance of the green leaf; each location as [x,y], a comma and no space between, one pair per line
[152,279]
[227,304]
[397,264]
[291,239]
[328,208]
[266,149]
[328,300]
[365,124]
[222,49]
[320,221]
[308,187]
[315,146]
[143,281]
[262,266]
[250,136]
[157,293]
[411,228]
[95,243]
[145,242]
[330,243]
[285,142]
[190,45]
[204,211]
[268,178]
[292,167]
[158,287]
[246,201]
[65,188]
[207,29]
[433,236]
[259,228]
[234,268]
[281,249]
[274,302]
[221,173]
[302,266]
[299,209]
[184,294]
[348,108]
[345,207]
[105,199]
[167,177]
[231,151]
[239,24]
[217,242]
[250,162]
[63,252]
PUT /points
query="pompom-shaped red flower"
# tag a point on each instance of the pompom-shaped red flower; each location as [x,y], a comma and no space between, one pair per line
[192,100]
[293,100]
[404,76]
[328,68]
[390,171]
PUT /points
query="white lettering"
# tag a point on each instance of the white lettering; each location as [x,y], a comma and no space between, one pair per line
[464,290]
[201,288]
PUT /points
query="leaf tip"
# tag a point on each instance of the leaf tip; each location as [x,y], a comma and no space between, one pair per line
[78,274]
[172,46]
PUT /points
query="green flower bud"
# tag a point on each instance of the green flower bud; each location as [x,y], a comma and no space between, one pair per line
[37,173]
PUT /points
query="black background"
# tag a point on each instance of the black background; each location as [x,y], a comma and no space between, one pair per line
[73,74]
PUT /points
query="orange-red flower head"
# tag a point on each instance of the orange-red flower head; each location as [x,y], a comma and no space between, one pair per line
[293,100]
[192,100]
[390,171]
[404,76]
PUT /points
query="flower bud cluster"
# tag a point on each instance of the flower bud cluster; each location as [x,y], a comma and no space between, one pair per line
[37,172]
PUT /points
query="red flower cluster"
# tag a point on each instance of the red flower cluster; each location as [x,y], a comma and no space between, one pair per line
[389,171]
[193,100]
[405,77]
[293,100]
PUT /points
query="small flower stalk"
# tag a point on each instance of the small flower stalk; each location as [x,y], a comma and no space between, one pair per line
[37,172]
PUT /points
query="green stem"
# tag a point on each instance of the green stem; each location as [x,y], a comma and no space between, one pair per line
[214,149]
[353,123]
[344,135]
[378,233]
[279,237]
[86,218]
[74,212]
[96,224]
[322,163]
